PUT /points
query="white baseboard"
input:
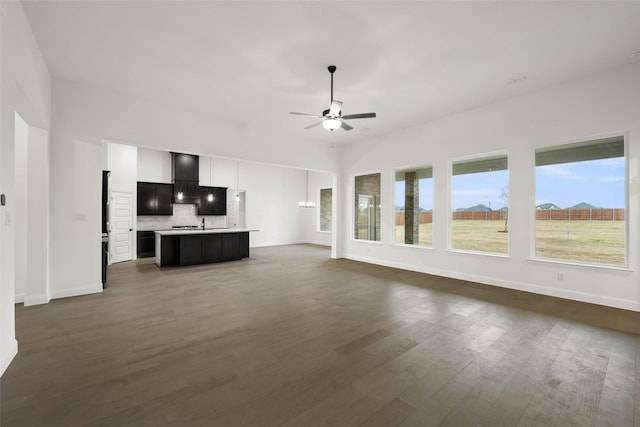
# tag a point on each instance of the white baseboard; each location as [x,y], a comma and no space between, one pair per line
[67,293]
[8,356]
[266,244]
[509,284]
[19,298]
[40,299]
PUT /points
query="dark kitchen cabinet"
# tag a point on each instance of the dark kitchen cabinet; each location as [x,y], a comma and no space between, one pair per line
[146,244]
[164,193]
[185,167]
[154,198]
[190,249]
[212,248]
[146,198]
[203,248]
[216,206]
[231,246]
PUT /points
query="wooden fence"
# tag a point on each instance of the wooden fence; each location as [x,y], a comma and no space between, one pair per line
[599,214]
[484,215]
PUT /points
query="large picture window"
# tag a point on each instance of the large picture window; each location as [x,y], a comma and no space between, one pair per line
[580,202]
[414,206]
[367,207]
[480,202]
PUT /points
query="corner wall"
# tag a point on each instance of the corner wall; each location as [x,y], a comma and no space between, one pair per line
[601,104]
[25,87]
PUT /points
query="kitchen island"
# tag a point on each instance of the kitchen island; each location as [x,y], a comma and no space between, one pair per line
[190,247]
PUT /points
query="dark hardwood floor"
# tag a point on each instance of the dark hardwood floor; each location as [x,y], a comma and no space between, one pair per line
[290,337]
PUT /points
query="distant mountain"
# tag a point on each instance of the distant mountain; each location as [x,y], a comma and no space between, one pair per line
[547,206]
[583,205]
[476,208]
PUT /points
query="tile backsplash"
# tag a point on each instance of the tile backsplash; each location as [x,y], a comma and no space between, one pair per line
[183,214]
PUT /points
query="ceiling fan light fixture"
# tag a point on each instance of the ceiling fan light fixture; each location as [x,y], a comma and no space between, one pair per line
[331,124]
[331,118]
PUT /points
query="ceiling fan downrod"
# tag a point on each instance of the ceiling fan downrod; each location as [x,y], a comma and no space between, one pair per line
[332,69]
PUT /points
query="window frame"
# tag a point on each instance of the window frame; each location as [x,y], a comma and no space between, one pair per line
[532,208]
[392,234]
[352,208]
[450,175]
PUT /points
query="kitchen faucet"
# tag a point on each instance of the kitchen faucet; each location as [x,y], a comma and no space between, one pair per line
[203,223]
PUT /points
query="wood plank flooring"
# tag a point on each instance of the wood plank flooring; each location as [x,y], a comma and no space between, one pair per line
[290,337]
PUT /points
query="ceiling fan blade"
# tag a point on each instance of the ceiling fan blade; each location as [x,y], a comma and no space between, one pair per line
[314,125]
[360,116]
[345,126]
[336,108]
[305,114]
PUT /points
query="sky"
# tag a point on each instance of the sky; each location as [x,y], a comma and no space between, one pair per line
[597,182]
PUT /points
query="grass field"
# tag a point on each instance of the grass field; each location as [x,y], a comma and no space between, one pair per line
[584,241]
[425,234]
[480,235]
[589,241]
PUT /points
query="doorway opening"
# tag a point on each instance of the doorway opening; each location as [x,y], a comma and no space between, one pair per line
[236,203]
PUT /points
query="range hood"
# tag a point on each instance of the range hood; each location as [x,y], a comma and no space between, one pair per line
[185,178]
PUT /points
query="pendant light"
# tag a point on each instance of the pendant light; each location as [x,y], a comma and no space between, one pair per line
[210,195]
[237,180]
[306,203]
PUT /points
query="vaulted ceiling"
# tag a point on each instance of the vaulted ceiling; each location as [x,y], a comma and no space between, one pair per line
[252,62]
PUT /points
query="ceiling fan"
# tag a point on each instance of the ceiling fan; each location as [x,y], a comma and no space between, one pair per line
[332,118]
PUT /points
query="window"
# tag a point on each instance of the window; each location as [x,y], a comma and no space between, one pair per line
[326,195]
[580,202]
[414,206]
[367,207]
[480,201]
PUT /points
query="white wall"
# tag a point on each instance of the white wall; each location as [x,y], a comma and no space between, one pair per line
[24,88]
[76,215]
[20,206]
[317,180]
[38,231]
[122,161]
[271,203]
[154,166]
[94,114]
[601,104]
[31,214]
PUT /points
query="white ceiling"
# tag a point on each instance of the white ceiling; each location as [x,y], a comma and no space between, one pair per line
[254,62]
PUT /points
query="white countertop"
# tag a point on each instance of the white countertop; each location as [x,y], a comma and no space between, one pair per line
[182,231]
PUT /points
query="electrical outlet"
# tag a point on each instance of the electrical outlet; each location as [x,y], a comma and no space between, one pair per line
[561,277]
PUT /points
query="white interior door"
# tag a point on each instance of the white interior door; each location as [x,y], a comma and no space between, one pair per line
[121,232]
